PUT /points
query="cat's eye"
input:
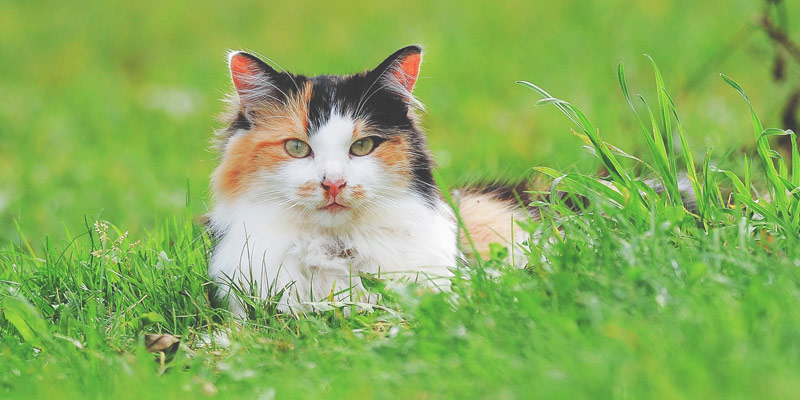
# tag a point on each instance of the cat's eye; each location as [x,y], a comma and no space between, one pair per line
[362,147]
[297,148]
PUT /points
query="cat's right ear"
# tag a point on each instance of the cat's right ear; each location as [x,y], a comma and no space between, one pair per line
[399,72]
[252,78]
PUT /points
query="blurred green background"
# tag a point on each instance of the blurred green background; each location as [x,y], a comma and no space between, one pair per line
[107,108]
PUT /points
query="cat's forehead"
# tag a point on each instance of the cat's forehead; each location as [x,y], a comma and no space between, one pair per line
[352,97]
[330,95]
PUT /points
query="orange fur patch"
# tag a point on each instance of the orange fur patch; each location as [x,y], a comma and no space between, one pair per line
[394,154]
[358,127]
[263,147]
[488,220]
[307,189]
[357,192]
[300,106]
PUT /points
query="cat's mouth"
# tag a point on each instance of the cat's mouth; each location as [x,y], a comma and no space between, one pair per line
[335,207]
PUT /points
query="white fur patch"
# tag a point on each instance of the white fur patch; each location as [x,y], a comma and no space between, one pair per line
[265,247]
[276,236]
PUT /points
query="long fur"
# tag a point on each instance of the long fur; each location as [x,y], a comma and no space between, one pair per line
[279,232]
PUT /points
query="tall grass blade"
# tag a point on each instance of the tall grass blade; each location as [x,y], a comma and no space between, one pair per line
[762,146]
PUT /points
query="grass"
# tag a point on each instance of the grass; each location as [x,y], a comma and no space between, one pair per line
[632,296]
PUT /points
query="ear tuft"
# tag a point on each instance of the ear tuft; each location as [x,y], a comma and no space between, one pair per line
[399,73]
[250,75]
[243,68]
[406,68]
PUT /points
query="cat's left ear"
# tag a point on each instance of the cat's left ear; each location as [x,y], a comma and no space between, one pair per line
[399,72]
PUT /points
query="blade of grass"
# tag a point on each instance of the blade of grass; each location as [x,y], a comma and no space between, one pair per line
[762,146]
[663,103]
[688,160]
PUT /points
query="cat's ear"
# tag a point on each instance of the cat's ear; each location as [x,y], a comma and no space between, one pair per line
[253,79]
[399,72]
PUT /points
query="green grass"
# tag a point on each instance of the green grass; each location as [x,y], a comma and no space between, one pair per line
[633,296]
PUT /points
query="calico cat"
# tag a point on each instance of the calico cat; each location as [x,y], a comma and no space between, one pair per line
[325,178]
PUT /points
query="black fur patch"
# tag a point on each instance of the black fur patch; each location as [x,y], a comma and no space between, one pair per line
[241,122]
[517,193]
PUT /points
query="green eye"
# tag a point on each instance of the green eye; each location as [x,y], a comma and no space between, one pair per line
[297,148]
[362,147]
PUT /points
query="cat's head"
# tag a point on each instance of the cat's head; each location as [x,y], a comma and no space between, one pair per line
[328,148]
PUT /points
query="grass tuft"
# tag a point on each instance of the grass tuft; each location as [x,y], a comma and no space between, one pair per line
[634,294]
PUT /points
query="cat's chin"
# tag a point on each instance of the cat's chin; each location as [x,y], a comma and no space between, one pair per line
[335,208]
[333,217]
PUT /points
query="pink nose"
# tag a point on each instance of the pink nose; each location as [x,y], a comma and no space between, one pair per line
[333,186]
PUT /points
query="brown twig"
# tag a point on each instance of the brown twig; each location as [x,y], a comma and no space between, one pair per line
[780,37]
[784,45]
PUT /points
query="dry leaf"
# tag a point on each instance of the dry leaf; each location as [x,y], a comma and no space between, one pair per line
[166,344]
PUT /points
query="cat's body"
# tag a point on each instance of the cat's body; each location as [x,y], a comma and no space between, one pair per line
[324,179]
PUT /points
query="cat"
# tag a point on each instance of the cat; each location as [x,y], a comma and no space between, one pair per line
[323,179]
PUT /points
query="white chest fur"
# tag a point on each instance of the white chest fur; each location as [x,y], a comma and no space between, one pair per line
[264,250]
